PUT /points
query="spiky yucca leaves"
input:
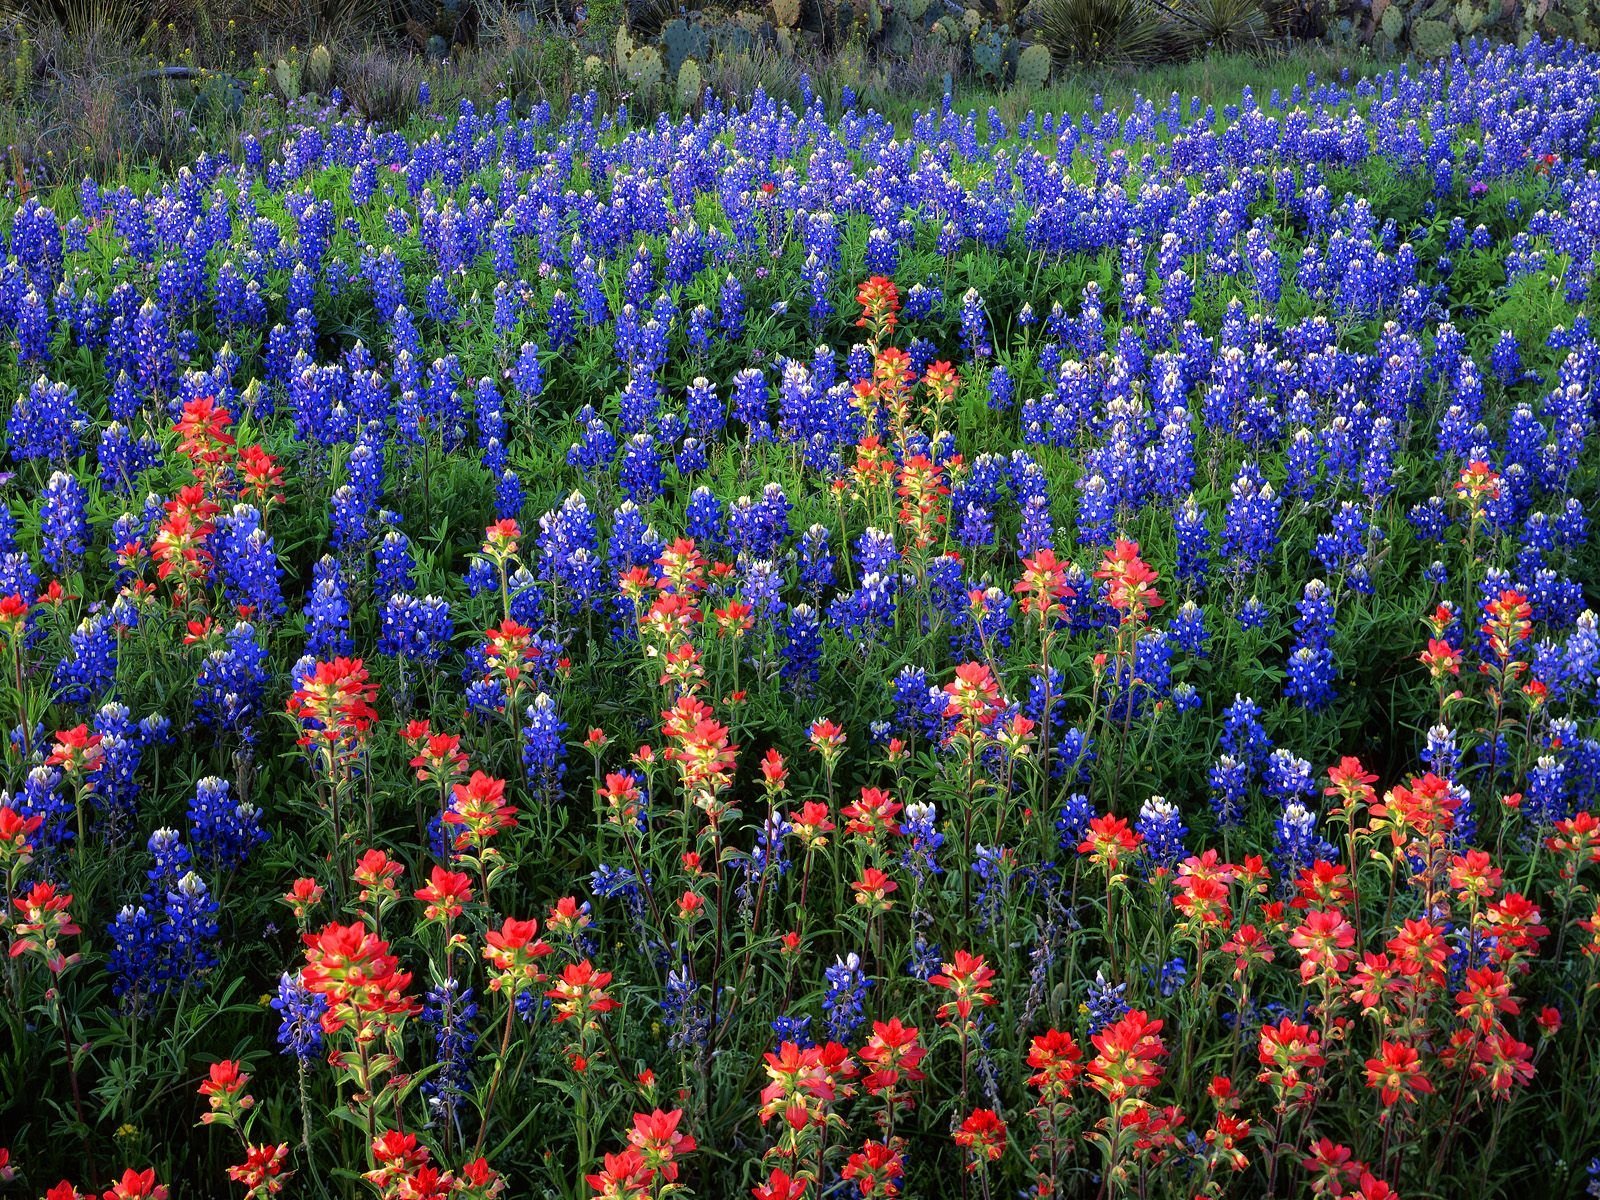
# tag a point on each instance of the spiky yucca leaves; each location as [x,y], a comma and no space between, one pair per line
[116,21]
[1100,31]
[1231,26]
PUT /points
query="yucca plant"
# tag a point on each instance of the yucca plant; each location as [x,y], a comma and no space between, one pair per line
[1230,26]
[1100,31]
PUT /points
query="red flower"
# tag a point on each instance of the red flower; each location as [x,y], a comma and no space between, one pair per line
[13,613]
[780,1185]
[1128,1056]
[873,890]
[875,1169]
[1373,1188]
[398,1152]
[445,894]
[873,816]
[801,1082]
[333,703]
[580,993]
[1043,586]
[76,751]
[880,305]
[967,979]
[15,832]
[894,1052]
[657,1138]
[983,1135]
[1323,940]
[1130,582]
[512,952]
[622,1177]
[973,696]
[352,967]
[223,1080]
[262,1171]
[45,921]
[136,1185]
[1396,1074]
[1109,841]
[302,897]
[812,825]
[375,874]
[1333,1167]
[479,808]
[1289,1053]
[827,739]
[500,540]
[1057,1062]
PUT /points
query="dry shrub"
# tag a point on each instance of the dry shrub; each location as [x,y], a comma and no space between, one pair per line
[380,82]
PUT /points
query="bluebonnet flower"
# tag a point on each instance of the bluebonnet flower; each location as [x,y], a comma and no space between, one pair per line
[449,1010]
[1230,782]
[47,423]
[222,830]
[1311,669]
[416,630]
[91,666]
[1170,976]
[167,941]
[1161,825]
[544,753]
[1105,1004]
[802,646]
[43,796]
[229,688]
[327,612]
[1072,822]
[1253,614]
[63,522]
[843,1003]
[300,1018]
[921,856]
[1296,844]
[1243,735]
[796,1029]
[1250,528]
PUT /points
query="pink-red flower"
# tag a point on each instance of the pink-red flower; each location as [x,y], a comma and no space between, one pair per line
[983,1136]
[968,980]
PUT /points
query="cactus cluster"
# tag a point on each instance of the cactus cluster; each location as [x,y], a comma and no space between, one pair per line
[299,72]
[1430,28]
[641,66]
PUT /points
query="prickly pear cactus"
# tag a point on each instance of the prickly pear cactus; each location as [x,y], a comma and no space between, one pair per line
[989,57]
[898,37]
[643,70]
[1432,38]
[786,13]
[1393,22]
[1033,67]
[1469,17]
[915,10]
[681,41]
[286,75]
[689,84]
[318,69]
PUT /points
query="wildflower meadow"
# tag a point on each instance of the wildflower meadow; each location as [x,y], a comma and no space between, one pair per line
[559,652]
